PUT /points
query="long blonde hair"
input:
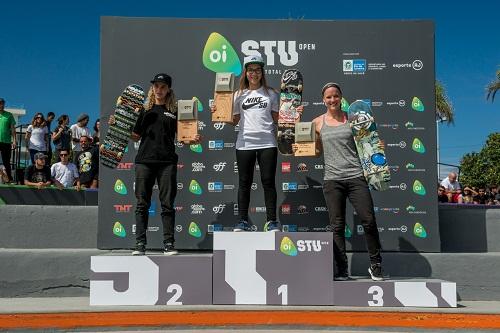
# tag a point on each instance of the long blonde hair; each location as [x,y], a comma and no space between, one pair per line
[170,100]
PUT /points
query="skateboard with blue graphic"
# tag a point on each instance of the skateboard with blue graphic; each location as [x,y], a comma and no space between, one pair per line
[290,98]
[128,106]
[367,141]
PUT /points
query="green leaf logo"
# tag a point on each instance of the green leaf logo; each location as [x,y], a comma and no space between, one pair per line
[120,187]
[197,148]
[195,187]
[347,232]
[344,105]
[287,247]
[410,166]
[417,105]
[419,230]
[119,230]
[418,188]
[220,56]
[194,230]
[198,104]
[418,146]
[410,208]
[409,124]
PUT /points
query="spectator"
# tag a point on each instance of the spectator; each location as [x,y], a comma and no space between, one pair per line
[77,130]
[88,163]
[50,117]
[452,187]
[62,136]
[37,136]
[38,174]
[65,173]
[8,140]
[481,198]
[442,197]
[95,136]
[4,179]
[468,196]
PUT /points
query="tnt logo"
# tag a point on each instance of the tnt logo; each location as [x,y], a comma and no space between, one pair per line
[122,208]
[125,166]
[286,167]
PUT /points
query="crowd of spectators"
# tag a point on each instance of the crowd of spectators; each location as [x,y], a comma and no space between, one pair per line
[451,191]
[63,156]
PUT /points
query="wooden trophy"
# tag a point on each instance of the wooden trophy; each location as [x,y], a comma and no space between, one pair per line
[187,120]
[305,138]
[223,98]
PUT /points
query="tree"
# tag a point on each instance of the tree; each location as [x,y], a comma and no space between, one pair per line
[483,168]
[493,87]
[444,108]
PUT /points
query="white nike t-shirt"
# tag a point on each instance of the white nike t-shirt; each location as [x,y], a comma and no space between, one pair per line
[257,129]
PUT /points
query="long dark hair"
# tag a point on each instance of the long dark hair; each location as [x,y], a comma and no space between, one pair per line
[33,121]
[61,119]
[244,84]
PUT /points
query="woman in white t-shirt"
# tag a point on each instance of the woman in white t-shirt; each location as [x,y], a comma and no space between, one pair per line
[256,108]
[37,136]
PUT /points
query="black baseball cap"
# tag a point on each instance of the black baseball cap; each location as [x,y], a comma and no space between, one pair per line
[162,77]
[2,100]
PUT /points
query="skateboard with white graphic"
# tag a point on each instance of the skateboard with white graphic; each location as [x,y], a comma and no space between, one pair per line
[290,98]
[367,141]
[128,106]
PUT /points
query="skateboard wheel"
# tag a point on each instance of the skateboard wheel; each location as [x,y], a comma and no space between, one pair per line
[299,88]
[119,101]
[283,86]
[119,155]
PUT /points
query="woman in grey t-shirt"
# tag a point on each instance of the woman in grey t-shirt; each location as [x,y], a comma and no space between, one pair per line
[344,180]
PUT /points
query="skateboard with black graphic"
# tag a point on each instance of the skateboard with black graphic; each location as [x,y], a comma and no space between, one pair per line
[371,154]
[290,98]
[128,106]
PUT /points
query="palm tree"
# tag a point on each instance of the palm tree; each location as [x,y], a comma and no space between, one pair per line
[493,87]
[444,109]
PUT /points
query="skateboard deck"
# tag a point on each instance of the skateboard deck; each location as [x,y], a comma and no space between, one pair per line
[367,142]
[128,105]
[290,98]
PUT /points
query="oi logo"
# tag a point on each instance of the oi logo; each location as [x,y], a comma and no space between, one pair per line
[418,146]
[344,105]
[220,56]
[197,148]
[417,105]
[195,187]
[347,232]
[120,187]
[419,230]
[418,188]
[119,230]
[194,230]
[198,104]
[287,247]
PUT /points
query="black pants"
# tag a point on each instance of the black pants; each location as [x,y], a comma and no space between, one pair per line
[6,152]
[145,177]
[267,159]
[336,193]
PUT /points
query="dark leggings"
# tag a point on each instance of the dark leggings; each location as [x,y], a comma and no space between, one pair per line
[267,159]
[356,190]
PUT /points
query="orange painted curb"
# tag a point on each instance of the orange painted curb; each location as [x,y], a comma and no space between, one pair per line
[248,318]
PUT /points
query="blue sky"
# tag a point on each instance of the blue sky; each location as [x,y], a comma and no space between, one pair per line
[49,58]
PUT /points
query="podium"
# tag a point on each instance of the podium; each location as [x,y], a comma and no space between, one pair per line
[261,268]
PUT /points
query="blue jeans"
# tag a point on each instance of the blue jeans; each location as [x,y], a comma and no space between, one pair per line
[145,177]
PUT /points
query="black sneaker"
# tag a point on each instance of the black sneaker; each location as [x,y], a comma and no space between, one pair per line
[242,226]
[376,272]
[169,249]
[140,249]
[342,275]
[272,226]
